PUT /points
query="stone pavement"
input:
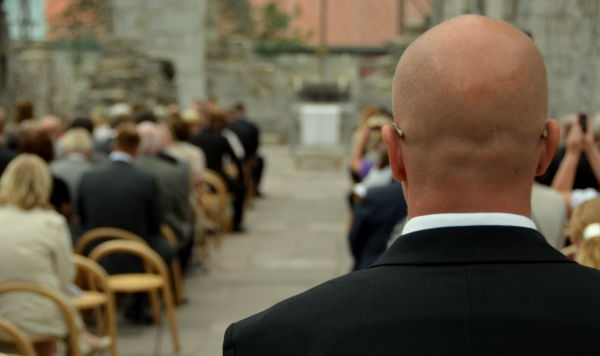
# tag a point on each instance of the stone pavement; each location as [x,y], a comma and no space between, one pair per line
[296,239]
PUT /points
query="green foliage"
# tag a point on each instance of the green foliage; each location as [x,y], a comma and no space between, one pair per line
[239,12]
[275,33]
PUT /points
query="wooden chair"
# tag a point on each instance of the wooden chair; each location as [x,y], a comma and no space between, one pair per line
[112,233]
[154,280]
[104,233]
[12,334]
[178,282]
[98,297]
[216,201]
[63,305]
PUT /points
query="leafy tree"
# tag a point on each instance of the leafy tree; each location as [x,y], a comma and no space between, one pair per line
[275,31]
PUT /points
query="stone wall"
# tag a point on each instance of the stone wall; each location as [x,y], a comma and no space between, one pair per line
[66,84]
[268,87]
[44,76]
[173,30]
[566,32]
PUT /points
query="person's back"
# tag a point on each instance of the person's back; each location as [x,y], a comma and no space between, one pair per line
[172,178]
[214,146]
[470,274]
[36,246]
[469,294]
[119,195]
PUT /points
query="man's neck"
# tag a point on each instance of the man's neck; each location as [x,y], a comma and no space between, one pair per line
[468,201]
[120,155]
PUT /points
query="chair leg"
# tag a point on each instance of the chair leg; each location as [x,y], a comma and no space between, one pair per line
[178,286]
[168,301]
[112,325]
[154,305]
[99,320]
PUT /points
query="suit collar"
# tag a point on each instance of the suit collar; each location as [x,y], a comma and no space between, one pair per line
[473,244]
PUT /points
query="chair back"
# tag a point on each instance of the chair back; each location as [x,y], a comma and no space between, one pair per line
[151,259]
[103,233]
[216,204]
[216,182]
[11,333]
[169,235]
[63,305]
[94,275]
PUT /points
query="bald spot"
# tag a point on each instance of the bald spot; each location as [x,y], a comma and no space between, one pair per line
[471,97]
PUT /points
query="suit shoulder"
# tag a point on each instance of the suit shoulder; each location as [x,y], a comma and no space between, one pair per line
[320,299]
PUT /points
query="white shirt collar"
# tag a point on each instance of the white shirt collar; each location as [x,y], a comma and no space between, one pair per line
[434,221]
[76,156]
[120,156]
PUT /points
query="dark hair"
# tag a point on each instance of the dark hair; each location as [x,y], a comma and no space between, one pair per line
[82,122]
[127,138]
[145,115]
[37,142]
[23,111]
[216,120]
[239,107]
[179,130]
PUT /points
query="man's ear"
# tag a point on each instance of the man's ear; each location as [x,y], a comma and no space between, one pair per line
[550,143]
[394,152]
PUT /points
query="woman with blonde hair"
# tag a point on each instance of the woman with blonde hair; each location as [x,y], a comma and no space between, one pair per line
[36,247]
[584,232]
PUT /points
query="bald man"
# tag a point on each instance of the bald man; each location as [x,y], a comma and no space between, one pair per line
[470,274]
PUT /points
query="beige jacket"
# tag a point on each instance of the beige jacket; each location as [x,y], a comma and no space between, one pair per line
[35,247]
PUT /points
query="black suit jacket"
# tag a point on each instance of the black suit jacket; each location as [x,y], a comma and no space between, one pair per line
[116,194]
[374,219]
[6,156]
[248,134]
[215,148]
[450,291]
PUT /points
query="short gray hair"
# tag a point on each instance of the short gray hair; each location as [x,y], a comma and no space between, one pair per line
[149,137]
[76,140]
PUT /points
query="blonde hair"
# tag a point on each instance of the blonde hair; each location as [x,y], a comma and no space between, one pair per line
[588,249]
[26,183]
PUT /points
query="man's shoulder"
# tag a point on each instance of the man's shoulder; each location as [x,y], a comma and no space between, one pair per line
[112,171]
[329,298]
[406,303]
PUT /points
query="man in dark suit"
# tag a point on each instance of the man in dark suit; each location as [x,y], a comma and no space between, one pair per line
[470,274]
[249,135]
[174,184]
[374,219]
[217,150]
[117,194]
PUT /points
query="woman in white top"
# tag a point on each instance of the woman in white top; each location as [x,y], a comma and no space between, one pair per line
[36,247]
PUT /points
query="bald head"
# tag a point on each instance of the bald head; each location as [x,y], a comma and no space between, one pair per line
[471,97]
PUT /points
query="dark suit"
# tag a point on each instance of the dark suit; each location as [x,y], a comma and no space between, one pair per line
[374,219]
[6,156]
[248,134]
[116,194]
[174,185]
[216,148]
[450,291]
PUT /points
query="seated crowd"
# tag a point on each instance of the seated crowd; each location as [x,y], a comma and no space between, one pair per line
[565,200]
[125,168]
